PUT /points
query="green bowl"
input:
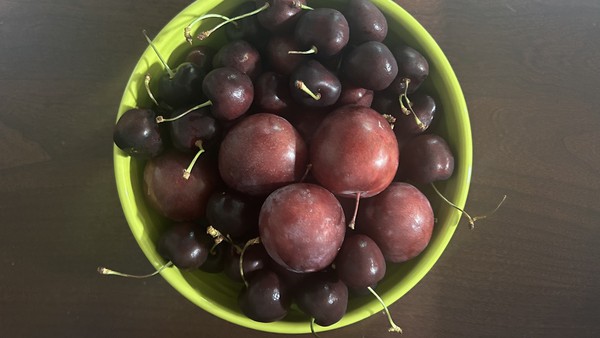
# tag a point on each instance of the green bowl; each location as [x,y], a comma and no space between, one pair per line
[217,294]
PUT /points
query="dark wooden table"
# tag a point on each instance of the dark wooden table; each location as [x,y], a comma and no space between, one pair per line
[530,71]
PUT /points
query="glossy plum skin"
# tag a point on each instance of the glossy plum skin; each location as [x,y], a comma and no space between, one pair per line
[427,158]
[354,151]
[262,153]
[360,263]
[400,220]
[173,196]
[302,226]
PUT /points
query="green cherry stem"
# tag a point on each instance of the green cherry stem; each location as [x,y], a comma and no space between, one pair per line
[207,33]
[161,119]
[164,63]
[106,271]
[393,326]
[187,31]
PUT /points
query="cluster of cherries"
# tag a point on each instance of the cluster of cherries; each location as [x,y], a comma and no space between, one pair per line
[259,152]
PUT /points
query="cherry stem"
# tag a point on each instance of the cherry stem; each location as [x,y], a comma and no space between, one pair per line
[308,168]
[353,220]
[312,50]
[207,33]
[248,243]
[312,328]
[106,271]
[147,79]
[300,85]
[187,31]
[218,238]
[393,326]
[188,171]
[391,120]
[164,63]
[471,220]
[161,119]
[409,110]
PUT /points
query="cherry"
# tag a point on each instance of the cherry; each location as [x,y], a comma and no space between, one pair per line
[313,85]
[366,21]
[354,153]
[370,65]
[399,219]
[197,125]
[425,159]
[230,91]
[233,214]
[262,153]
[324,297]
[272,93]
[184,244]
[138,135]
[413,69]
[360,263]
[173,196]
[215,261]
[253,258]
[202,57]
[266,299]
[240,55]
[324,30]
[280,15]
[179,87]
[277,53]
[302,227]
[352,94]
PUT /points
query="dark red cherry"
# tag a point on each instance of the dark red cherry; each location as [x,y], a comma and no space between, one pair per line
[324,297]
[413,69]
[234,214]
[197,125]
[360,263]
[326,29]
[266,299]
[202,57]
[184,244]
[240,55]
[277,53]
[366,21]
[272,94]
[138,135]
[370,65]
[426,158]
[313,85]
[255,258]
[281,15]
[173,196]
[230,91]
[183,87]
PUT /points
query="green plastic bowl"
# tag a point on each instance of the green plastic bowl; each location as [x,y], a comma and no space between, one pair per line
[216,293]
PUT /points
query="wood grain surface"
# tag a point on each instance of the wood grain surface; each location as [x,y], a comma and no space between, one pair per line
[530,71]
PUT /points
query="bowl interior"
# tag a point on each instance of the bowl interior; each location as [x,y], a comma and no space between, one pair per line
[216,293]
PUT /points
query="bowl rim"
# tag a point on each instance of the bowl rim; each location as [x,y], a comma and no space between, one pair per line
[461,178]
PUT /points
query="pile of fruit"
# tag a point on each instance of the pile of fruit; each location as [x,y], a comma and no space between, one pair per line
[290,158]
